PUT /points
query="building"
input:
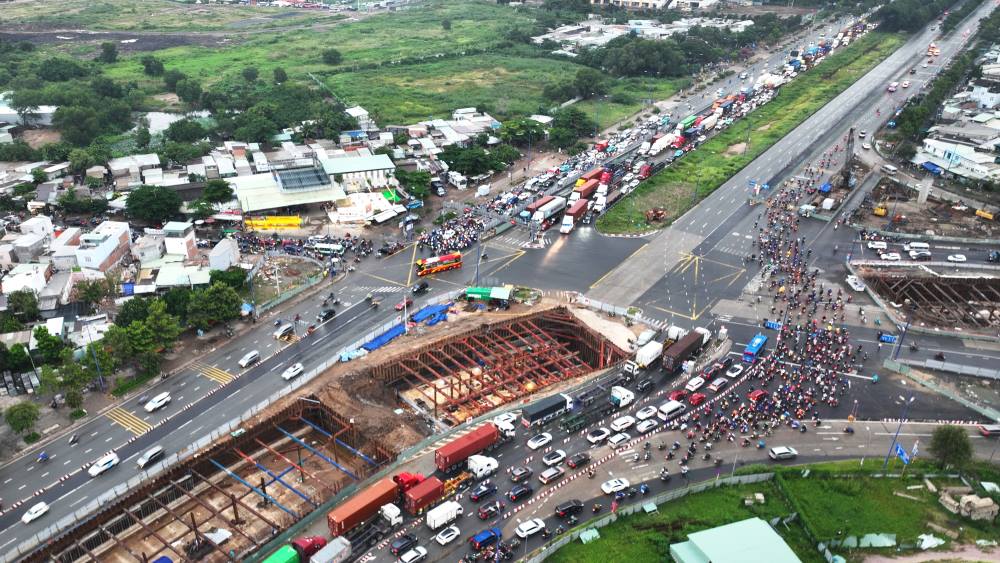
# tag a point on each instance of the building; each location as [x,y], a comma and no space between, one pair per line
[739,542]
[633,4]
[986,93]
[104,247]
[127,171]
[42,115]
[28,247]
[358,173]
[178,239]
[225,255]
[149,247]
[39,225]
[973,162]
[33,277]
[360,114]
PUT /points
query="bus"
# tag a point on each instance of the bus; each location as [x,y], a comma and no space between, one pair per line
[754,349]
[327,249]
[433,265]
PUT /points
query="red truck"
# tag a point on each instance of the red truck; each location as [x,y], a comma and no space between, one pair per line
[572,216]
[645,171]
[594,174]
[362,506]
[458,450]
[600,146]
[538,204]
[423,495]
[587,190]
[407,481]
[606,176]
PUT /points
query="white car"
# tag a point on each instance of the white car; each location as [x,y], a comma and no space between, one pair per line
[599,435]
[855,283]
[647,425]
[554,457]
[103,464]
[905,84]
[540,440]
[622,423]
[734,371]
[646,412]
[529,528]
[866,146]
[782,452]
[505,419]
[35,512]
[157,402]
[292,371]
[956,258]
[891,256]
[418,553]
[694,384]
[618,438]
[613,486]
[447,535]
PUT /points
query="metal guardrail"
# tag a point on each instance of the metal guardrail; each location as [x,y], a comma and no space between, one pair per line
[903,369]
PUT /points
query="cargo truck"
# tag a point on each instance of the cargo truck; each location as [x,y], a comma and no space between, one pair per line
[417,499]
[546,410]
[709,122]
[337,551]
[644,148]
[457,180]
[682,350]
[573,216]
[648,354]
[482,466]
[549,210]
[621,397]
[455,452]
[443,514]
[361,506]
[538,204]
[299,551]
[584,191]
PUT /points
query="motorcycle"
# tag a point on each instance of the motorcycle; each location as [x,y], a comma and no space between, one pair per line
[939,356]
[572,521]
[670,455]
[848,430]
[635,458]
[73,439]
[664,475]
[718,461]
[661,446]
[644,489]
[546,533]
[43,457]
[631,491]
[590,474]
[645,457]
[597,508]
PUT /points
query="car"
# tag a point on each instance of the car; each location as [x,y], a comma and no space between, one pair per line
[569,508]
[418,553]
[505,419]
[744,75]
[614,485]
[402,544]
[618,439]
[708,372]
[694,384]
[913,70]
[598,435]
[551,474]
[539,440]
[157,402]
[447,535]
[490,509]
[646,412]
[956,258]
[151,455]
[678,395]
[35,512]
[520,473]
[696,399]
[647,425]
[292,371]
[905,84]
[103,463]
[718,384]
[406,302]
[555,457]
[779,453]
[622,423]
[421,288]
[756,395]
[866,146]
[325,315]
[924,65]
[862,133]
[891,256]
[484,539]
[520,492]
[644,385]
[529,528]
[483,490]
[734,371]
[578,460]
[723,364]
[920,255]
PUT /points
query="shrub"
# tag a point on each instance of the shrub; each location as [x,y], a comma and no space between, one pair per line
[32,437]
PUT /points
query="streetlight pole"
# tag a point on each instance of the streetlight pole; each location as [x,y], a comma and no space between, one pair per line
[895,438]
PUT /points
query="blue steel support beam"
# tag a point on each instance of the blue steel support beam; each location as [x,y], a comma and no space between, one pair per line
[256,490]
[317,452]
[340,443]
[277,478]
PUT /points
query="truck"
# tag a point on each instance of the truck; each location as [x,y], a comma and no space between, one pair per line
[644,148]
[443,514]
[538,204]
[645,171]
[455,452]
[423,495]
[682,350]
[301,549]
[457,180]
[549,210]
[584,191]
[482,466]
[337,551]
[709,122]
[594,174]
[361,506]
[546,410]
[621,397]
[573,216]
[648,354]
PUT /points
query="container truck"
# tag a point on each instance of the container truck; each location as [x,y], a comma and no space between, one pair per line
[648,354]
[538,204]
[549,210]
[661,143]
[687,122]
[594,174]
[680,351]
[482,466]
[423,495]
[300,550]
[573,216]
[585,191]
[453,453]
[337,551]
[443,514]
[709,122]
[605,177]
[621,397]
[545,410]
[646,171]
[644,148]
[600,146]
[362,506]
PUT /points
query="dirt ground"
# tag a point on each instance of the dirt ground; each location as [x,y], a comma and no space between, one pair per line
[941,218]
[613,330]
[967,553]
[736,149]
[36,138]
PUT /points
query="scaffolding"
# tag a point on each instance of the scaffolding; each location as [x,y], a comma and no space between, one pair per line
[940,301]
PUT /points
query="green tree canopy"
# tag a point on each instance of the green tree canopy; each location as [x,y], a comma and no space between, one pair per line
[250,73]
[153,204]
[521,132]
[950,446]
[189,90]
[217,191]
[164,326]
[151,65]
[418,182]
[214,304]
[48,345]
[23,304]
[279,74]
[185,131]
[234,277]
[22,416]
[109,53]
[332,56]
[133,310]
[171,78]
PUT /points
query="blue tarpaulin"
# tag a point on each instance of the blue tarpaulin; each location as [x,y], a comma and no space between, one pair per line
[428,312]
[442,316]
[825,188]
[932,168]
[384,338]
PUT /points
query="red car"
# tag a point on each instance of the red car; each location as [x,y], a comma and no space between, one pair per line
[678,395]
[696,399]
[406,302]
[757,395]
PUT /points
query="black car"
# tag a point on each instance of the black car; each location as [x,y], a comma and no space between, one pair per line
[325,315]
[483,490]
[726,362]
[402,544]
[490,509]
[578,460]
[422,287]
[644,385]
[569,508]
[519,474]
[520,492]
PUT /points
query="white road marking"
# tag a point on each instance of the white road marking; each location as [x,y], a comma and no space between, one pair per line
[78,501]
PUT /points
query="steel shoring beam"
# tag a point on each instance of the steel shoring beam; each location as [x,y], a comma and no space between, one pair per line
[153,533]
[216,512]
[420,378]
[317,452]
[540,335]
[183,521]
[109,534]
[255,489]
[227,494]
[454,370]
[311,475]
[276,477]
[437,375]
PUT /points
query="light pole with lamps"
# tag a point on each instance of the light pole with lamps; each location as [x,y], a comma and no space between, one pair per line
[895,438]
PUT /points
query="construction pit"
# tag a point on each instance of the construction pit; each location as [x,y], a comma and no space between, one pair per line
[346,424]
[893,207]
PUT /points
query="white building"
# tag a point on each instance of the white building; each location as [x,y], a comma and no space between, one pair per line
[26,276]
[104,247]
[225,255]
[42,115]
[360,114]
[127,170]
[971,162]
[178,238]
[986,93]
[39,224]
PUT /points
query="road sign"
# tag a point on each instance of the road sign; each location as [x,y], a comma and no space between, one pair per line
[888,338]
[901,454]
[772,325]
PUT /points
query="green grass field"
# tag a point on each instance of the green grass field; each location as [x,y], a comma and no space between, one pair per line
[716,161]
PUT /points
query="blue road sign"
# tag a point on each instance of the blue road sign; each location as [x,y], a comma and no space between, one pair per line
[901,454]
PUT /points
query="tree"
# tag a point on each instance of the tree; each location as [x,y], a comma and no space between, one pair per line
[950,446]
[280,76]
[133,310]
[151,65]
[200,209]
[116,344]
[589,83]
[256,129]
[22,416]
[74,398]
[25,104]
[37,177]
[171,78]
[217,303]
[91,292]
[109,53]
[153,204]
[250,73]
[142,137]
[234,277]
[189,90]
[504,155]
[217,191]
[332,56]
[18,359]
[23,304]
[10,324]
[470,161]
[417,183]
[522,132]
[79,125]
[164,326]
[49,380]
[446,24]
[105,362]
[79,161]
[185,131]
[48,345]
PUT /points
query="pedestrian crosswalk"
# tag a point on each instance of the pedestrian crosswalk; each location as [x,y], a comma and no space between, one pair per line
[128,421]
[378,289]
[517,240]
[217,375]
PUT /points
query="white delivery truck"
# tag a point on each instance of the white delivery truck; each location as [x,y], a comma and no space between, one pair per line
[482,466]
[621,397]
[550,209]
[443,514]
[648,354]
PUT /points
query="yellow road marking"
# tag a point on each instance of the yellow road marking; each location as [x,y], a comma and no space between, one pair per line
[220,376]
[128,421]
[514,257]
[409,271]
[387,280]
